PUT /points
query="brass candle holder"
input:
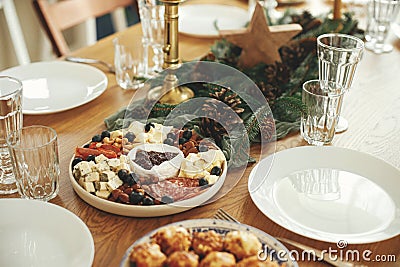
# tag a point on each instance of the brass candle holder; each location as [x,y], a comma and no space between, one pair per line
[170,92]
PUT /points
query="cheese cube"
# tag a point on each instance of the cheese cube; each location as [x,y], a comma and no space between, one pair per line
[123,166]
[89,187]
[100,186]
[84,168]
[113,163]
[114,183]
[103,194]
[92,177]
[123,159]
[102,166]
[100,158]
[107,176]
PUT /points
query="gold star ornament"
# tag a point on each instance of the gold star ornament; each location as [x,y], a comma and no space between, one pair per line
[260,42]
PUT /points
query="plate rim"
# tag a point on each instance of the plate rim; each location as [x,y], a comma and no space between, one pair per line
[137,210]
[83,227]
[306,232]
[208,223]
[210,35]
[103,83]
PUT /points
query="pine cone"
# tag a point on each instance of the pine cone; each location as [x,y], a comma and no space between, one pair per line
[267,129]
[270,91]
[226,96]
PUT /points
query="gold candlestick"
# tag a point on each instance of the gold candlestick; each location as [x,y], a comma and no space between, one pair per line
[170,91]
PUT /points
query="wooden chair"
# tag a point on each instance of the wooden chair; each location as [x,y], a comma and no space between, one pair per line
[62,15]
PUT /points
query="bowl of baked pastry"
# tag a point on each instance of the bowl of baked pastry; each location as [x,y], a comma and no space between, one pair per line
[207,242]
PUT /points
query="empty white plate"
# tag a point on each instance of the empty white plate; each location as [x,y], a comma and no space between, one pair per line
[204,20]
[41,234]
[55,86]
[329,194]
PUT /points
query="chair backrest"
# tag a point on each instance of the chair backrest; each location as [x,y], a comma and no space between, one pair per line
[62,15]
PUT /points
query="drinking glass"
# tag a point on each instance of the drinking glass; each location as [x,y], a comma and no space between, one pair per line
[381,13]
[323,105]
[10,120]
[34,154]
[129,61]
[338,56]
[151,14]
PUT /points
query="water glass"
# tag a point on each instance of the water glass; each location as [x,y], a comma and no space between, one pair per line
[10,121]
[381,13]
[34,153]
[338,57]
[129,61]
[323,102]
[151,14]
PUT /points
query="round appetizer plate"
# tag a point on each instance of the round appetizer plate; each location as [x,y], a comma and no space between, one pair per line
[147,211]
[204,20]
[329,194]
[55,86]
[40,234]
[221,227]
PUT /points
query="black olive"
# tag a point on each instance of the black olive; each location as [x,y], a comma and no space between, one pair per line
[171,135]
[86,146]
[91,158]
[147,126]
[169,141]
[122,174]
[105,134]
[97,138]
[187,134]
[167,199]
[136,197]
[133,176]
[203,181]
[76,161]
[182,141]
[131,179]
[147,201]
[203,148]
[216,171]
[130,136]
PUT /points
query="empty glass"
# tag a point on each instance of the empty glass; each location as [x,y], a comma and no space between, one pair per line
[10,120]
[151,14]
[323,105]
[34,154]
[338,56]
[129,61]
[381,13]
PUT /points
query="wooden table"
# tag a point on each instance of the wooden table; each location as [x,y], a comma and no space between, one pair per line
[372,108]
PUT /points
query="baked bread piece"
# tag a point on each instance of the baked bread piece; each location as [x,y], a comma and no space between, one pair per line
[218,259]
[182,259]
[242,244]
[255,262]
[147,255]
[172,238]
[206,242]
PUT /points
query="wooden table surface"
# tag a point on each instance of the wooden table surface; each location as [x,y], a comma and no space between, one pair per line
[372,108]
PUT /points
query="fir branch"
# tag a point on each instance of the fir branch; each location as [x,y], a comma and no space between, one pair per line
[288,109]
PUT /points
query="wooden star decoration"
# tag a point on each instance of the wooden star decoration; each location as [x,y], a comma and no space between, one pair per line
[260,42]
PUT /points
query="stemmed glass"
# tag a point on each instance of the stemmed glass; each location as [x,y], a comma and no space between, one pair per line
[151,14]
[338,56]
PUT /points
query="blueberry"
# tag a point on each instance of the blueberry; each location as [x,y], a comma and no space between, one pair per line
[203,148]
[130,136]
[169,141]
[136,197]
[76,161]
[187,134]
[171,135]
[147,127]
[91,158]
[147,201]
[167,199]
[105,134]
[203,181]
[122,174]
[216,171]
[182,141]
[97,138]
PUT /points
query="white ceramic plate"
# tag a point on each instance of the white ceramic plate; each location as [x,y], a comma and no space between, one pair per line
[200,20]
[396,29]
[147,211]
[56,86]
[221,227]
[330,194]
[41,234]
